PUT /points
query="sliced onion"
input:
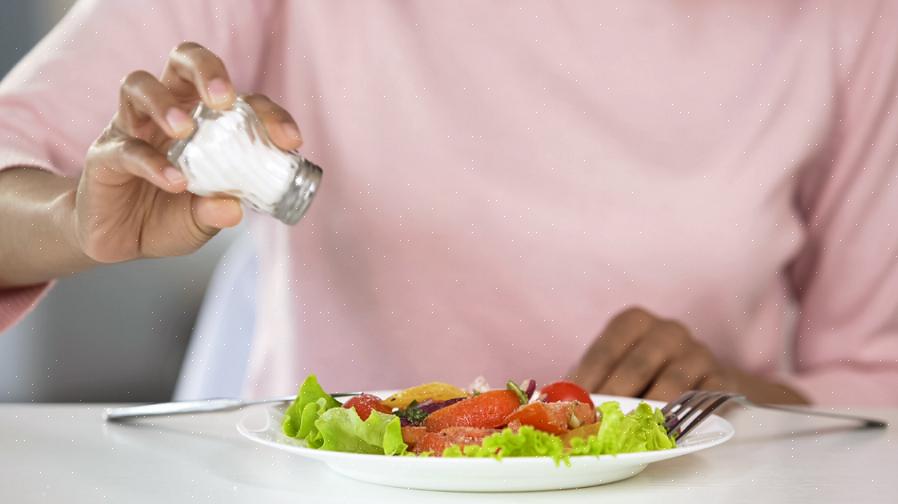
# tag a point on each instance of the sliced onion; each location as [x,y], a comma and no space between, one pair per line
[429,406]
[530,388]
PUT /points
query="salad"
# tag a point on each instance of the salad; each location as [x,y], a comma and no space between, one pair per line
[442,420]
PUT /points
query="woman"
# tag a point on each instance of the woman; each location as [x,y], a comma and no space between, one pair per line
[503,181]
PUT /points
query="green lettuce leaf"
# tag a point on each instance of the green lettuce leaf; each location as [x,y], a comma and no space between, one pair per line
[310,403]
[342,430]
[640,430]
[526,442]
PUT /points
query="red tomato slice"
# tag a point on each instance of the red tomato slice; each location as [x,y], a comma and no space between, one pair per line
[539,416]
[585,413]
[582,432]
[554,418]
[565,391]
[364,403]
[412,435]
[487,410]
[436,442]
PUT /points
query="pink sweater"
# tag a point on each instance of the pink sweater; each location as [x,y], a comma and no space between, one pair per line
[503,177]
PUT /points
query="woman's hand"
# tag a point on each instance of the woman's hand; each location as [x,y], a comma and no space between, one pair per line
[642,355]
[130,201]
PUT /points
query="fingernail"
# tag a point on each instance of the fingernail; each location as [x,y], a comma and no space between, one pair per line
[173,175]
[291,131]
[179,120]
[219,92]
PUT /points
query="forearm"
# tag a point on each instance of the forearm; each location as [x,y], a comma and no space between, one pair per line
[37,228]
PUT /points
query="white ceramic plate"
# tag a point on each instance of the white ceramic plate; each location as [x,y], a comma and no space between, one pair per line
[483,475]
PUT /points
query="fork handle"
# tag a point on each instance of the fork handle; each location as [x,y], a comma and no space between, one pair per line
[172,408]
[199,406]
[867,422]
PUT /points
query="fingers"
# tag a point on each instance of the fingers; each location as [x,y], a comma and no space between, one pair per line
[119,160]
[145,100]
[637,369]
[640,354]
[688,371]
[719,378]
[149,104]
[616,340]
[280,125]
[192,71]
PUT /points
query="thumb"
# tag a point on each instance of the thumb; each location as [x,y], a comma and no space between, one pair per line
[213,213]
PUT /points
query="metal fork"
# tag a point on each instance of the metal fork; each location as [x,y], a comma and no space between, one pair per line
[190,407]
[695,406]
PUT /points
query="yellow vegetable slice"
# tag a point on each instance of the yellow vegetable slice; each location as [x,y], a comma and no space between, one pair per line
[435,391]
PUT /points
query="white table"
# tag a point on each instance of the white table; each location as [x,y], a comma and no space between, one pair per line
[67,454]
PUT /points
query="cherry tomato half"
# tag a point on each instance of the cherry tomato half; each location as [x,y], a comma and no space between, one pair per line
[565,391]
[364,403]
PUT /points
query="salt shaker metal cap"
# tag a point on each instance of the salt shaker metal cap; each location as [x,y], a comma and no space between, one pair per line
[230,153]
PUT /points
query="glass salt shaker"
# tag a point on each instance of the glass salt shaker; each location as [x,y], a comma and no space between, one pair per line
[230,153]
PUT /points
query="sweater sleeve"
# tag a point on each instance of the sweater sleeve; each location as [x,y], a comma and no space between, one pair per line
[58,99]
[846,279]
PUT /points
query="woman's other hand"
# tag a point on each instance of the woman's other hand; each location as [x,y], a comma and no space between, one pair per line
[642,355]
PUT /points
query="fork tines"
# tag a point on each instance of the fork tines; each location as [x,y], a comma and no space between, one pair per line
[691,409]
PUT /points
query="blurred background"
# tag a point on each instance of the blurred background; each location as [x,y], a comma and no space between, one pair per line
[91,339]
